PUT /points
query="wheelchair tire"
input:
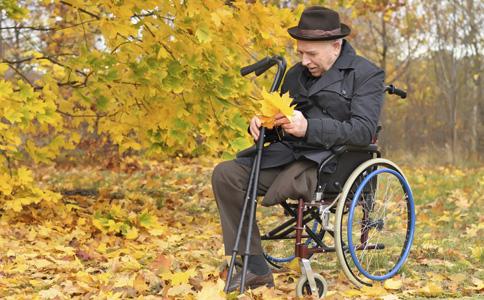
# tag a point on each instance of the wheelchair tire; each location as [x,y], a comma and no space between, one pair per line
[361,213]
[303,288]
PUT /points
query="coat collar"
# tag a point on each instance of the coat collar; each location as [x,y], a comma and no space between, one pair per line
[346,57]
[334,74]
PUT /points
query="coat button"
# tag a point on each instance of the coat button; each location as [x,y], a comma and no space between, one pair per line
[344,92]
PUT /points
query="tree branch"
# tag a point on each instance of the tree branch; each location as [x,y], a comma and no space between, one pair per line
[81,9]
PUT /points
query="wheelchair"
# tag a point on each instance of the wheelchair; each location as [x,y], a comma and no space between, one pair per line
[365,208]
[362,209]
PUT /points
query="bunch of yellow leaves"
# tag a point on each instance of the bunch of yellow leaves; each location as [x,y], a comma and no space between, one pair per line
[273,104]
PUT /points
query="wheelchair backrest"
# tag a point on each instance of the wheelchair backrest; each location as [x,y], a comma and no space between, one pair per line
[334,175]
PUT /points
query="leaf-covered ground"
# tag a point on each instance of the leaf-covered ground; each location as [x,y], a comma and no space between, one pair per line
[150,230]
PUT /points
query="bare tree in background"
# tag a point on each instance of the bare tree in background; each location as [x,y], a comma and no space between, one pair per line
[474,15]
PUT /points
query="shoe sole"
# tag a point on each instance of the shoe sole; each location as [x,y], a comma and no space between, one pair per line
[254,286]
[269,285]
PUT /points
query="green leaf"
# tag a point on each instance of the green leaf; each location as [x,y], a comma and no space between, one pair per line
[102,102]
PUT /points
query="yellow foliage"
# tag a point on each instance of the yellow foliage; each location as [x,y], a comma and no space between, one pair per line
[155,85]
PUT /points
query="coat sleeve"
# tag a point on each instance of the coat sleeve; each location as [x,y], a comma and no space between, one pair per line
[366,105]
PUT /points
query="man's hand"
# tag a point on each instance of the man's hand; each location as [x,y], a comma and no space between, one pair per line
[296,127]
[254,125]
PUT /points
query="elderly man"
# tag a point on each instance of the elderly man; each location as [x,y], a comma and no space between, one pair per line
[338,97]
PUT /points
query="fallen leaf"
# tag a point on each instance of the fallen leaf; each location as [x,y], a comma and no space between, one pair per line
[430,289]
[393,284]
[140,284]
[132,233]
[374,291]
[212,291]
[180,290]
[51,293]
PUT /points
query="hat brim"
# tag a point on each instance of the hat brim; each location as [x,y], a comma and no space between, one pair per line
[296,33]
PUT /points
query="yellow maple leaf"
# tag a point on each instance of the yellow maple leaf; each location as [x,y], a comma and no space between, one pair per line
[477,252]
[478,283]
[352,292]
[123,280]
[132,233]
[180,290]
[374,291]
[6,186]
[393,284]
[271,105]
[211,291]
[182,277]
[25,176]
[178,277]
[294,265]
[430,289]
[140,284]
[51,293]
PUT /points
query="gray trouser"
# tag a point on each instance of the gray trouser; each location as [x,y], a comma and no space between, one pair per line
[229,182]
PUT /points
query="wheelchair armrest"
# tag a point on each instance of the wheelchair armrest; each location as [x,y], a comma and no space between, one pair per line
[340,149]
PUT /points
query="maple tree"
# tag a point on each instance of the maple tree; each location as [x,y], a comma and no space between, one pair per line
[157,78]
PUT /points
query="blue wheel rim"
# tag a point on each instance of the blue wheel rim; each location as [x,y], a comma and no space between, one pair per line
[411,229]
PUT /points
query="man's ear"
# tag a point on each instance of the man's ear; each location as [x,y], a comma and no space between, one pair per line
[337,44]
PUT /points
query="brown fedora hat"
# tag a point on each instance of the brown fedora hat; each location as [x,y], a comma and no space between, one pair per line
[319,23]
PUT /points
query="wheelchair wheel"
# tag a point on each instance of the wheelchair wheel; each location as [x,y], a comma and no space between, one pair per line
[375,221]
[303,288]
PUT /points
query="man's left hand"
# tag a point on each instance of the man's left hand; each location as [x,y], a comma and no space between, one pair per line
[296,127]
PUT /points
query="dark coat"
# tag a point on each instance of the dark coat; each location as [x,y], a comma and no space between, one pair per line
[342,107]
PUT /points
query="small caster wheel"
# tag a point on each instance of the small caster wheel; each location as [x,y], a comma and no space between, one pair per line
[303,287]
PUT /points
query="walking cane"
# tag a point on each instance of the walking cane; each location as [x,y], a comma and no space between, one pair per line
[251,193]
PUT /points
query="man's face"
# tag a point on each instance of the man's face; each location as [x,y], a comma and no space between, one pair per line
[318,56]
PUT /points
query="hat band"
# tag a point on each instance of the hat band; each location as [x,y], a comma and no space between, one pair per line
[320,32]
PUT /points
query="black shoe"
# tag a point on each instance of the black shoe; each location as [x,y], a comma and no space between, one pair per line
[252,281]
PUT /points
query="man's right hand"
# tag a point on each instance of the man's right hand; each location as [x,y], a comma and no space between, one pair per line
[254,125]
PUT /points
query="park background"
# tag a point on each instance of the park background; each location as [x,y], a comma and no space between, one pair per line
[114,113]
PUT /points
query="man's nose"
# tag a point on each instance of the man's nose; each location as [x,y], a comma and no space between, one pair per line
[304,61]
